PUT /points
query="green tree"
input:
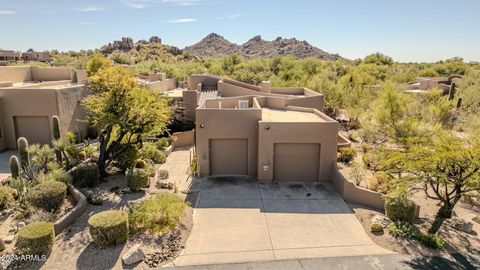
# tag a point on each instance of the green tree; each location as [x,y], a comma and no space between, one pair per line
[97,62]
[378,58]
[446,169]
[391,114]
[123,111]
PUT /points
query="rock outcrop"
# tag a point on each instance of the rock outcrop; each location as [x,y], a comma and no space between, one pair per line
[214,45]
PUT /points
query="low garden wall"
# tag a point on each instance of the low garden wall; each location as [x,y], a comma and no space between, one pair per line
[69,218]
[185,138]
[343,142]
[355,194]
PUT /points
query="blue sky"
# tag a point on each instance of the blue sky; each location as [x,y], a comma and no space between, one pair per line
[407,30]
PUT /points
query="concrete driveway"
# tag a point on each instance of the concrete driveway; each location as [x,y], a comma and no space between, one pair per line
[236,219]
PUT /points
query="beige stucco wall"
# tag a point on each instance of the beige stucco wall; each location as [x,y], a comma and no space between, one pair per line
[208,80]
[70,110]
[51,74]
[190,102]
[226,124]
[352,193]
[162,86]
[185,138]
[15,74]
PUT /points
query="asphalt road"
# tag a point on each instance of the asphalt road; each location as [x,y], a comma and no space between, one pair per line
[372,262]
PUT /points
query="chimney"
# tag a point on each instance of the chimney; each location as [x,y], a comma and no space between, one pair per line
[266,87]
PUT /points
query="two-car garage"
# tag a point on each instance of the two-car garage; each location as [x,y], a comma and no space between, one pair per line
[292,161]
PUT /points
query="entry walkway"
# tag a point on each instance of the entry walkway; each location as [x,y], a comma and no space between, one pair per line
[236,219]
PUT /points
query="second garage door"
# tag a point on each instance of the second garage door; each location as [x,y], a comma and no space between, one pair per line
[228,156]
[296,161]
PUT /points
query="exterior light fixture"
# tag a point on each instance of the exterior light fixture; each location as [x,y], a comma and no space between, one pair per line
[202,125]
[267,128]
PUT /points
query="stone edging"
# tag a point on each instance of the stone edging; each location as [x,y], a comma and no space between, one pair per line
[80,207]
[76,212]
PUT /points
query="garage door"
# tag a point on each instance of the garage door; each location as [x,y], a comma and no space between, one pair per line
[296,161]
[35,128]
[228,156]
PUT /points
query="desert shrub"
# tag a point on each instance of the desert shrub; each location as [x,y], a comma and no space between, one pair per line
[358,173]
[401,229]
[6,197]
[36,238]
[400,209]
[41,215]
[405,229]
[346,154]
[86,175]
[82,155]
[159,213]
[376,227]
[137,178]
[48,195]
[108,228]
[150,151]
[366,147]
[127,158]
[372,159]
[59,175]
[162,174]
[431,240]
[163,142]
[376,182]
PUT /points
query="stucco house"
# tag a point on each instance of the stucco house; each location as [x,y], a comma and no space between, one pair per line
[30,96]
[274,134]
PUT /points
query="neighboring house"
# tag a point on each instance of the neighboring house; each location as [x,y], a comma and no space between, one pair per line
[10,56]
[158,82]
[426,84]
[37,56]
[30,96]
[275,134]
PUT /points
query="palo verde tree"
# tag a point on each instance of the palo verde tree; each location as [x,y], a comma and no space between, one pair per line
[123,111]
[447,170]
[391,113]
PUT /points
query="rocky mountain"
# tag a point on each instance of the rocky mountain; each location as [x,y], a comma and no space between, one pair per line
[214,45]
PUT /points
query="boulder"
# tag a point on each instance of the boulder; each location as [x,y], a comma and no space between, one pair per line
[381,219]
[20,225]
[9,239]
[133,255]
[476,219]
[462,224]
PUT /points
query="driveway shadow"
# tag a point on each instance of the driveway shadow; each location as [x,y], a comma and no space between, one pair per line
[440,263]
[278,197]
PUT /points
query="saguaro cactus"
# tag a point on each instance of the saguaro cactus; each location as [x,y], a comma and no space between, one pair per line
[56,136]
[56,127]
[14,166]
[22,145]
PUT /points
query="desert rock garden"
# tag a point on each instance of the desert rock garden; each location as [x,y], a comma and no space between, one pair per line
[104,201]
